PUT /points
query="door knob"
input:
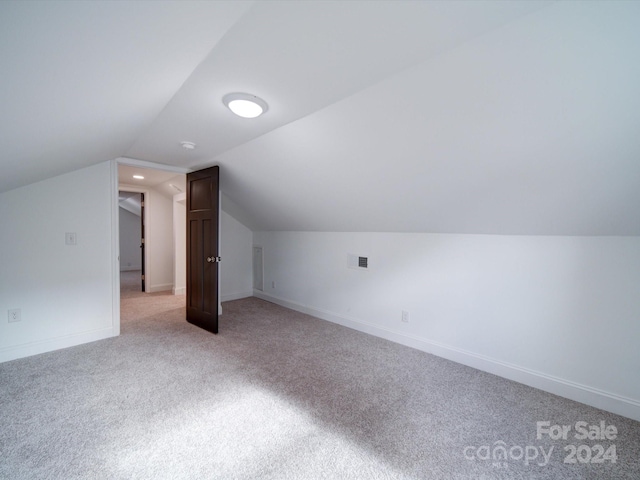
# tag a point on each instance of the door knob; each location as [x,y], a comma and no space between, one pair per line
[214,259]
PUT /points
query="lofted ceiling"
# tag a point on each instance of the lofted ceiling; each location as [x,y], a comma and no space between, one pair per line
[402,116]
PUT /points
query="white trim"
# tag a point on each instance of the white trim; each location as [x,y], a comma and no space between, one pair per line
[163,287]
[594,397]
[15,352]
[125,187]
[134,162]
[115,251]
[179,291]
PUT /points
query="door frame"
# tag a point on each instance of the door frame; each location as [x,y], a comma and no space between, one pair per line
[133,189]
[115,224]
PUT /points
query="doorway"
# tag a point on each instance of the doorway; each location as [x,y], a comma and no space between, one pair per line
[159,250]
[132,232]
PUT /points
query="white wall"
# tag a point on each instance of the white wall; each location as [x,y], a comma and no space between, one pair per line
[236,268]
[179,244]
[558,313]
[130,252]
[65,292]
[159,242]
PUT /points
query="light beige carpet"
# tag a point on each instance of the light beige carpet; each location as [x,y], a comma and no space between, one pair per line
[279,395]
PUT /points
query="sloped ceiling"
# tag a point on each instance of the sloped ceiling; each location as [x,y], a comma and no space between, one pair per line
[453,116]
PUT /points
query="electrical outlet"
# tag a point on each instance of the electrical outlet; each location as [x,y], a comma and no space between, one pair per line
[14,315]
[405,316]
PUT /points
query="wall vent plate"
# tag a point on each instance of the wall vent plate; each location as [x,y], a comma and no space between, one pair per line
[358,262]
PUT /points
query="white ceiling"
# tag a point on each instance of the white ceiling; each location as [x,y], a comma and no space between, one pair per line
[453,116]
[165,182]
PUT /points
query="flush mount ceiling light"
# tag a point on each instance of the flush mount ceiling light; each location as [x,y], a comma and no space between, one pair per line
[188,145]
[245,105]
[138,177]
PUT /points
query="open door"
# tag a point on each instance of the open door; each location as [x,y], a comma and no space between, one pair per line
[142,240]
[202,248]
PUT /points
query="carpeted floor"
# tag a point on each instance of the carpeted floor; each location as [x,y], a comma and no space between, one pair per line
[281,395]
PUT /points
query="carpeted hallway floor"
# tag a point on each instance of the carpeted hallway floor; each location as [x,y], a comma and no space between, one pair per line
[280,395]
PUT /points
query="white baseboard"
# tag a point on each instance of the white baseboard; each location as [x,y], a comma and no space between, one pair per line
[179,291]
[159,288]
[235,296]
[611,402]
[35,348]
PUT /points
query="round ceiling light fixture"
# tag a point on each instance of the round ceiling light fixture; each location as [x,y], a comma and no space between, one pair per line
[245,105]
[188,145]
[138,177]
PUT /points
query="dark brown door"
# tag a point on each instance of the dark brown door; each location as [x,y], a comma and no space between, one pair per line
[142,238]
[202,248]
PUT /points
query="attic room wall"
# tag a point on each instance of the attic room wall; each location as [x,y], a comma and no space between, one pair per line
[236,241]
[236,268]
[64,291]
[557,313]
